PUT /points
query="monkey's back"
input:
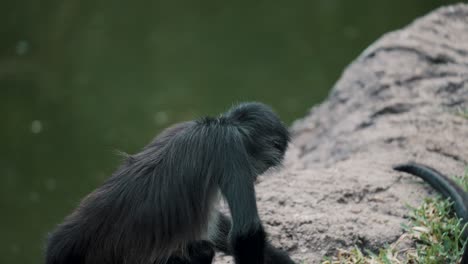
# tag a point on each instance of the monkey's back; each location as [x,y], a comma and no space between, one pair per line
[149,209]
[153,223]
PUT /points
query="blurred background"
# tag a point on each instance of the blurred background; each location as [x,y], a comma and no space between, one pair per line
[80,79]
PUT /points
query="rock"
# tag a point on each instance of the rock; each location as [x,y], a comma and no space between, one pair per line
[396,102]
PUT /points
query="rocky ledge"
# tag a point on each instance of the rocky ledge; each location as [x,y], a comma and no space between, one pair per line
[399,101]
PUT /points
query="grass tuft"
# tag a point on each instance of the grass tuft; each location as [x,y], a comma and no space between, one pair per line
[463,112]
[434,232]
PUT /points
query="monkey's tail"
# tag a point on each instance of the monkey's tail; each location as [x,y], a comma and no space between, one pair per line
[447,187]
[441,183]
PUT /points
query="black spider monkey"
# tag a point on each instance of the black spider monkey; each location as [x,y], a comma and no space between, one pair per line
[160,205]
[448,188]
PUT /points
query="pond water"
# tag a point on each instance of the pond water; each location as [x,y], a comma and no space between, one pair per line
[82,79]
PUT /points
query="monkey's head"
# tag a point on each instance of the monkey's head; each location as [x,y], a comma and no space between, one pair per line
[264,135]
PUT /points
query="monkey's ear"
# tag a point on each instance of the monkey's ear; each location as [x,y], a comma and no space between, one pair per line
[247,112]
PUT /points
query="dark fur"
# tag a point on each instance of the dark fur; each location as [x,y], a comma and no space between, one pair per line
[447,187]
[159,206]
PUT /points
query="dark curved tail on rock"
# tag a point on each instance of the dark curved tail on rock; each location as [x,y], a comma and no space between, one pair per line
[447,187]
[443,184]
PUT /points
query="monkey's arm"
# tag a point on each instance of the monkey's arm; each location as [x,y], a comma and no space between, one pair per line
[247,236]
[219,236]
[246,239]
[220,240]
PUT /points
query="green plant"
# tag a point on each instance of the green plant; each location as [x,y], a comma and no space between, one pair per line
[434,229]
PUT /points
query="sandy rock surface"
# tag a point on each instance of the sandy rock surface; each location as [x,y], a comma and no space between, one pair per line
[397,102]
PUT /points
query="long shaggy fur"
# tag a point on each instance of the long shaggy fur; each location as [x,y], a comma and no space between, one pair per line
[162,198]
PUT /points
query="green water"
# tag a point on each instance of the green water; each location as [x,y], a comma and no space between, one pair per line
[80,79]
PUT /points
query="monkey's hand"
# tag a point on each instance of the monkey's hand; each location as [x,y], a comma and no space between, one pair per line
[276,256]
[201,252]
[248,247]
